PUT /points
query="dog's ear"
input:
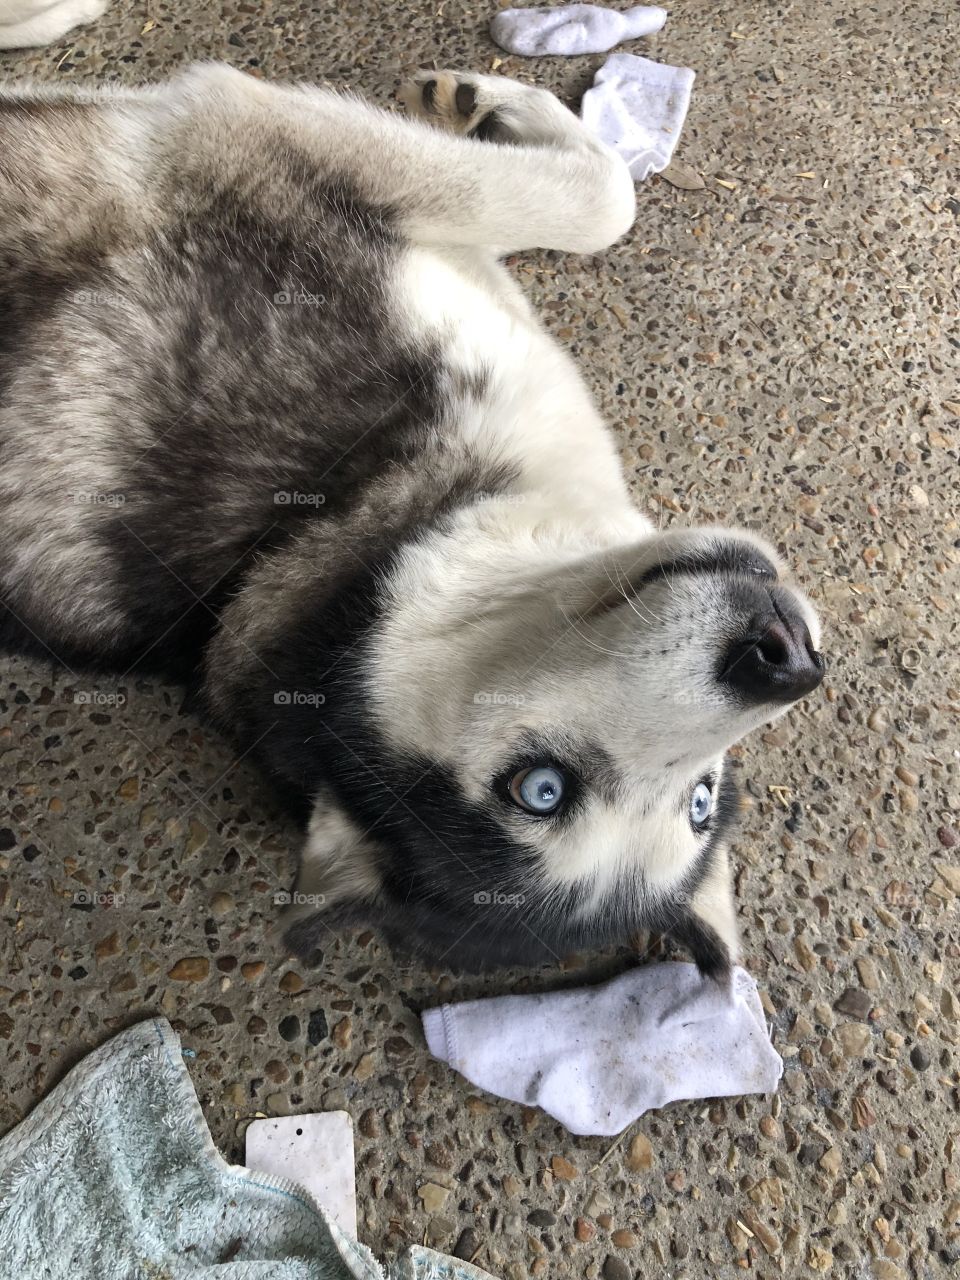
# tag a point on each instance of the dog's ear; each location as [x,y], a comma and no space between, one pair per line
[339,878]
[708,928]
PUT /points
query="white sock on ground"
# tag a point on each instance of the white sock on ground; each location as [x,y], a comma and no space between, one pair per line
[638,107]
[596,1058]
[576,28]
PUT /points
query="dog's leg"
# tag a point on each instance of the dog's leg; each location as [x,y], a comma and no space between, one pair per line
[540,181]
[547,165]
[538,178]
[554,187]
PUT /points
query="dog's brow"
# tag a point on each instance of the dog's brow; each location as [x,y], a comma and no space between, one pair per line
[584,757]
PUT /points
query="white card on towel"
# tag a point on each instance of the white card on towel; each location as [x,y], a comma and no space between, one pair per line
[316,1151]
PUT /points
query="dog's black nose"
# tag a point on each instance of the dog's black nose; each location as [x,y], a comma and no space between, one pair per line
[775,662]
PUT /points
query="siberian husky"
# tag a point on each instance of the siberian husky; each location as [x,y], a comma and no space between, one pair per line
[274,419]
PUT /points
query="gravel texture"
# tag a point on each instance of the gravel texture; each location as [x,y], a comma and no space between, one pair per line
[777,347]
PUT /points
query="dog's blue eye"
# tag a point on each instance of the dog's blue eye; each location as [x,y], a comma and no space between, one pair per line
[538,790]
[701,804]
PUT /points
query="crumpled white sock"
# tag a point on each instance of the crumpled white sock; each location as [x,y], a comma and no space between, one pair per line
[575,28]
[638,107]
[596,1058]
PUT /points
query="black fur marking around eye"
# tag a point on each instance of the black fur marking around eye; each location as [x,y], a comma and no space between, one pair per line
[720,799]
[585,766]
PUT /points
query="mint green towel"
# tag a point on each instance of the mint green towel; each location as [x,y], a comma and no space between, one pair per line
[114,1176]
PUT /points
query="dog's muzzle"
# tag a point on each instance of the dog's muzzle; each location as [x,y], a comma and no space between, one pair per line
[773,660]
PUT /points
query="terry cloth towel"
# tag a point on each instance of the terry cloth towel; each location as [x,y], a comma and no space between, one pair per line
[638,107]
[114,1176]
[596,1058]
[572,29]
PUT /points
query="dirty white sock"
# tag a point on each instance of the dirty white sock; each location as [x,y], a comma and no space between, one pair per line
[595,1058]
[638,107]
[575,28]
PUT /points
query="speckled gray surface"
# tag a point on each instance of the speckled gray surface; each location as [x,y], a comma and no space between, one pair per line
[774,349]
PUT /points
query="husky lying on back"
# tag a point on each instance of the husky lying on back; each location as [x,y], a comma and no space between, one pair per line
[273,419]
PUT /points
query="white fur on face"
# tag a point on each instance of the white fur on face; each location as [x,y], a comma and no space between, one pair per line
[641,844]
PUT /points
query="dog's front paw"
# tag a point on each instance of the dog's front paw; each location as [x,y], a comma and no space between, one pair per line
[454,100]
[488,108]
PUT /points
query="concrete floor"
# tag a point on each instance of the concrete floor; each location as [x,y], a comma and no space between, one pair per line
[775,350]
